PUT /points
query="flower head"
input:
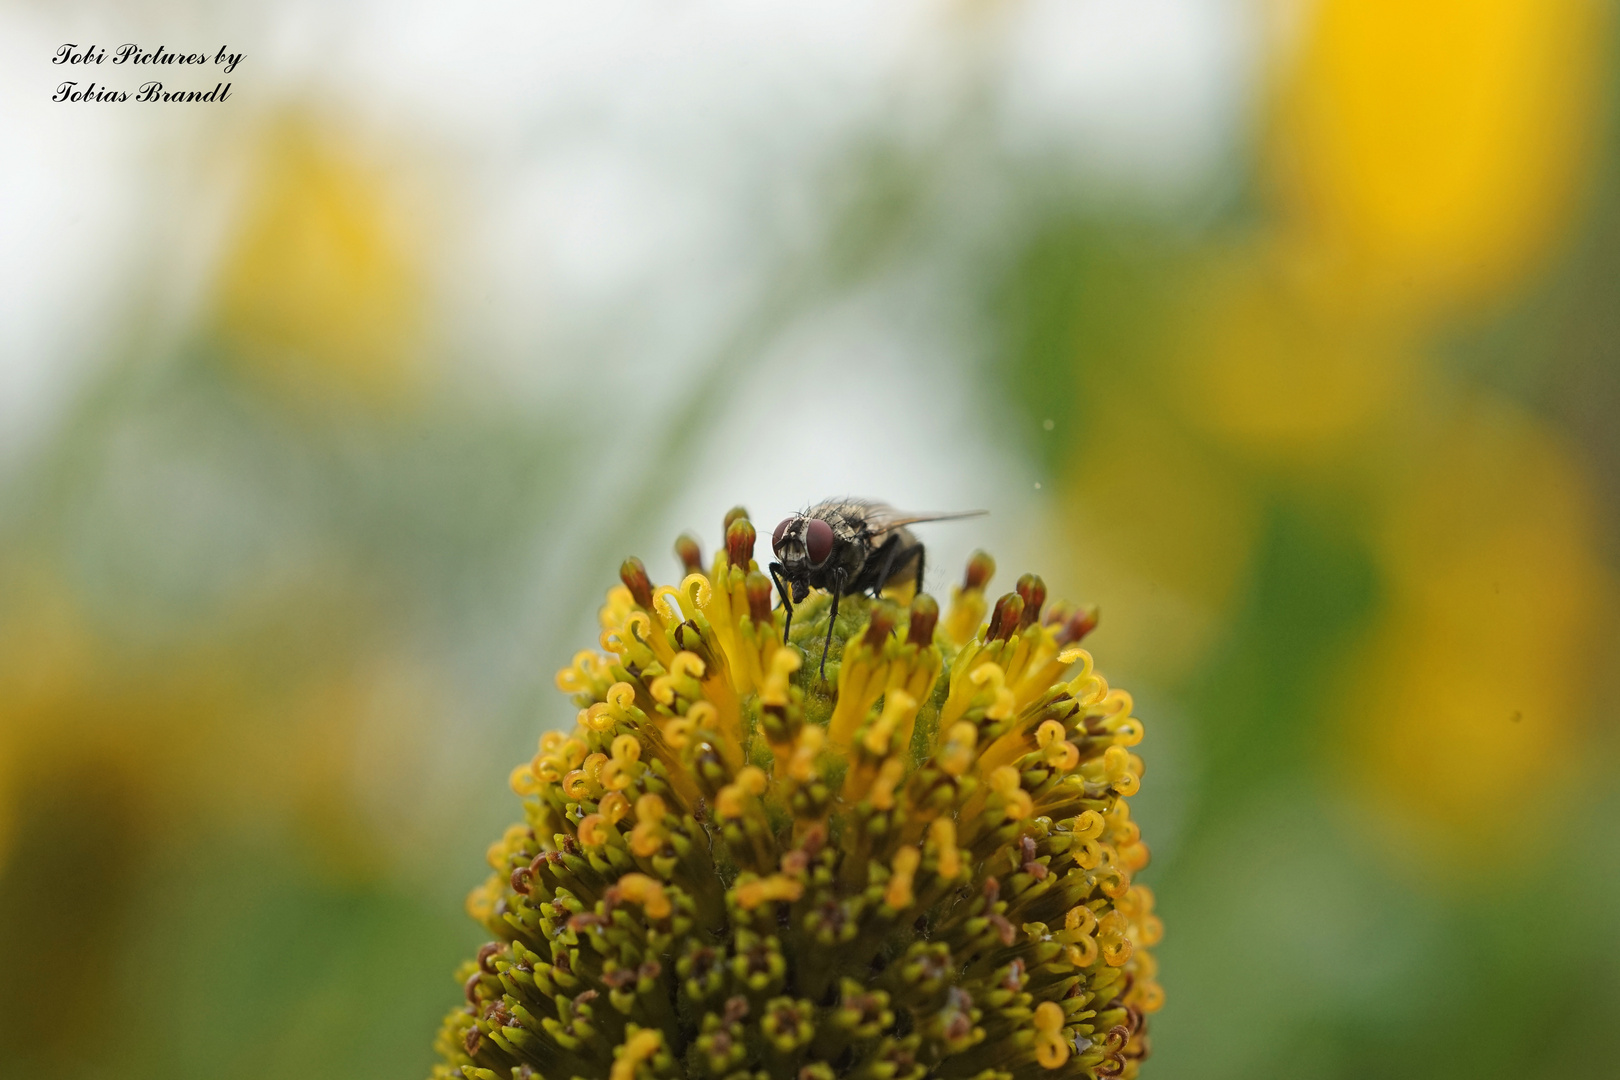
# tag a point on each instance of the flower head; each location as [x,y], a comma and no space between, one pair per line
[921,866]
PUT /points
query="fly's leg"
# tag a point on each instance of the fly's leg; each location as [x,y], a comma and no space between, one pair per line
[777,570]
[918,590]
[837,591]
[892,546]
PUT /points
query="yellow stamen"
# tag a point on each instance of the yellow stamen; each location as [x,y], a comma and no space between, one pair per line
[898,894]
[643,890]
[635,1050]
[1051,1049]
[752,894]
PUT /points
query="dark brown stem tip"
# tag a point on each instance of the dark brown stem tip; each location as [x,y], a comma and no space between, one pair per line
[881,626]
[980,569]
[1004,619]
[924,617]
[634,576]
[739,540]
[759,597]
[691,555]
[1033,592]
[736,513]
[485,952]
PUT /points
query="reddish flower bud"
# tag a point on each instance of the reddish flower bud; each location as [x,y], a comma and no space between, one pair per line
[924,617]
[736,513]
[691,555]
[980,569]
[881,626]
[634,576]
[759,597]
[1033,592]
[1004,619]
[739,541]
[1081,623]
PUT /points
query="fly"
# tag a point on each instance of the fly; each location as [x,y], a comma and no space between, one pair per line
[847,546]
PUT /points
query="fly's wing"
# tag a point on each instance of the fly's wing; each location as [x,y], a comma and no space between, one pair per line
[882,518]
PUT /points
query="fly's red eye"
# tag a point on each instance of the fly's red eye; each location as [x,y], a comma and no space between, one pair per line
[776,537]
[818,541]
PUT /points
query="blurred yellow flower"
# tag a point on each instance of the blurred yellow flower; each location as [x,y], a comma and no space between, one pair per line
[1164,529]
[1466,713]
[1437,145]
[322,290]
[1280,354]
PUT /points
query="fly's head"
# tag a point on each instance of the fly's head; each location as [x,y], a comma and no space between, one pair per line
[803,544]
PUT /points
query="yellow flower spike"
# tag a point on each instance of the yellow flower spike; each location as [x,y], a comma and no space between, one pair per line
[992,678]
[634,643]
[1080,919]
[1114,940]
[1128,732]
[1080,944]
[668,607]
[497,852]
[1045,666]
[917,666]
[862,675]
[891,731]
[646,891]
[756,622]
[732,800]
[802,765]
[1051,1049]
[639,629]
[638,1048]
[1089,825]
[751,894]
[1117,769]
[1088,688]
[619,606]
[614,807]
[1006,783]
[1137,905]
[967,600]
[636,822]
[582,782]
[703,716]
[523,781]
[889,775]
[678,732]
[619,772]
[956,756]
[599,718]
[684,672]
[784,664]
[721,611]
[695,594]
[593,830]
[885,738]
[648,836]
[1058,752]
[1083,953]
[588,673]
[898,892]
[482,901]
